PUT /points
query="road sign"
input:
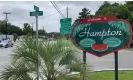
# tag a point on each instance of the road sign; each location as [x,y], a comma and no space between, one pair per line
[38,13]
[100,36]
[66,27]
[65,31]
[36,8]
[66,20]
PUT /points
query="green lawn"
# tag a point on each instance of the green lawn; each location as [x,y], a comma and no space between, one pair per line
[109,75]
[105,75]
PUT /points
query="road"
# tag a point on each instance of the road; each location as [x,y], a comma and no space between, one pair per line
[97,63]
[5,57]
[125,61]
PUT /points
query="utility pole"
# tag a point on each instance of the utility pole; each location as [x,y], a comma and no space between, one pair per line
[67,12]
[6,13]
[32,29]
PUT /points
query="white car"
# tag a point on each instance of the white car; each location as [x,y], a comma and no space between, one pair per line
[6,43]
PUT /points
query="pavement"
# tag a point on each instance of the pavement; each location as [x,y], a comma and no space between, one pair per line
[5,57]
[125,61]
[97,63]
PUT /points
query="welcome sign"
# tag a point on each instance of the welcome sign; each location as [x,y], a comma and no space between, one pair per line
[102,35]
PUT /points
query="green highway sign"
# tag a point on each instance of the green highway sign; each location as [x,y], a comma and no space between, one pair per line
[101,36]
[36,8]
[38,13]
[68,30]
[65,23]
[65,31]
[66,27]
[66,20]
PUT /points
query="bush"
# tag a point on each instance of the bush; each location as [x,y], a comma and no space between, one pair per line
[15,36]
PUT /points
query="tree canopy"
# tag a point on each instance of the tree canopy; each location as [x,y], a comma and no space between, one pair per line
[10,28]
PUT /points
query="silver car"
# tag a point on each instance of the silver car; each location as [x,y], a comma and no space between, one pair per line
[6,43]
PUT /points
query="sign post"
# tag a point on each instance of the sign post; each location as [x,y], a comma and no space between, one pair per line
[116,65]
[102,35]
[37,13]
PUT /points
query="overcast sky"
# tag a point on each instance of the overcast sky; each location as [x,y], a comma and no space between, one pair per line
[51,19]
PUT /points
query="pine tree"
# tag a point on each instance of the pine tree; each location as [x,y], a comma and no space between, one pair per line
[84,14]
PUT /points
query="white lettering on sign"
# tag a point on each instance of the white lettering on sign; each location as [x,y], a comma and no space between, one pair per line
[94,19]
[102,33]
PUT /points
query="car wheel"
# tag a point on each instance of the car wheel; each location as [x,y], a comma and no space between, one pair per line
[12,45]
[6,46]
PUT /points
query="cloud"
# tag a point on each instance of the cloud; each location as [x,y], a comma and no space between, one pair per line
[50,20]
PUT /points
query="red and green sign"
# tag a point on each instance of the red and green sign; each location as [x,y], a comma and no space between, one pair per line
[102,35]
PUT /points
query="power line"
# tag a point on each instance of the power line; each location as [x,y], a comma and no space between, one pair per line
[56,7]
[50,15]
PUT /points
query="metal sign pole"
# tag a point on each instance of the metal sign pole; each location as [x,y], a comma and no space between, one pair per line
[116,64]
[84,57]
[36,13]
[36,45]
[84,62]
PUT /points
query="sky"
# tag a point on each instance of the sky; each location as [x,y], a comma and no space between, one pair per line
[51,18]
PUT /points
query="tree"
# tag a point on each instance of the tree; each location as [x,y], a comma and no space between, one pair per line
[42,32]
[51,57]
[10,28]
[130,5]
[84,14]
[27,29]
[15,36]
[121,11]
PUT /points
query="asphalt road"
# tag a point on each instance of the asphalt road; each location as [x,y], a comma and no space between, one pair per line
[96,63]
[5,57]
[125,61]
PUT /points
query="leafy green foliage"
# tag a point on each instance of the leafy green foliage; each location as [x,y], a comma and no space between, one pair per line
[121,11]
[84,14]
[10,28]
[15,36]
[42,32]
[27,29]
[55,58]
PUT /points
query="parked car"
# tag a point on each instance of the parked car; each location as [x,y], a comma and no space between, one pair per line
[6,43]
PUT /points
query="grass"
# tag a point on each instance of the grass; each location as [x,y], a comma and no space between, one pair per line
[104,75]
[109,75]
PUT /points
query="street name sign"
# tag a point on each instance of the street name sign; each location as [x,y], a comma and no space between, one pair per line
[38,13]
[36,8]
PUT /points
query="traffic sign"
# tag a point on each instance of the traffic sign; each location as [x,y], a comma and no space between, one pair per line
[66,20]
[101,36]
[66,27]
[65,31]
[38,13]
[36,8]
